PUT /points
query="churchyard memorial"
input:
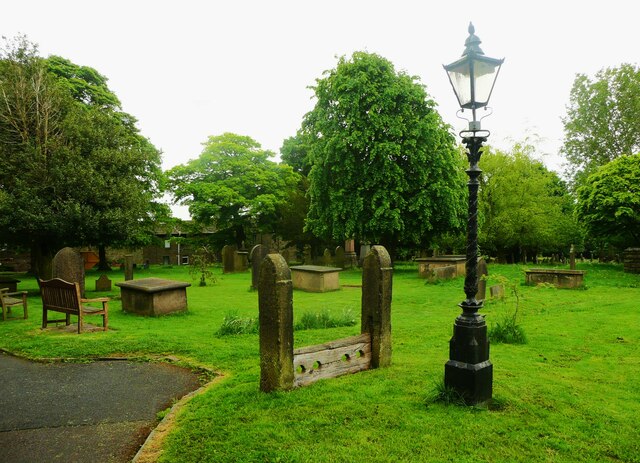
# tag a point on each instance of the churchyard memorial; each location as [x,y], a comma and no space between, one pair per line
[282,367]
[153,296]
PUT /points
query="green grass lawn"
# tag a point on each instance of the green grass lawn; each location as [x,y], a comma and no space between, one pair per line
[571,394]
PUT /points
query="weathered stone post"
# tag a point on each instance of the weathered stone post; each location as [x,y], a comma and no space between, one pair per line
[377,278]
[481,295]
[327,260]
[275,302]
[350,256]
[128,267]
[572,258]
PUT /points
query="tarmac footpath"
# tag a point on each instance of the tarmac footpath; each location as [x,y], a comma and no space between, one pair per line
[83,412]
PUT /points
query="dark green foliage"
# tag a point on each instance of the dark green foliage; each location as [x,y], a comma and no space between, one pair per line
[75,170]
[384,167]
[440,393]
[507,331]
[324,319]
[609,202]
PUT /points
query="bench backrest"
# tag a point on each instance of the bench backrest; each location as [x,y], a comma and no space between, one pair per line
[60,295]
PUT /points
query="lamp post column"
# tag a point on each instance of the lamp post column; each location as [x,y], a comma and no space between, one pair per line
[469,370]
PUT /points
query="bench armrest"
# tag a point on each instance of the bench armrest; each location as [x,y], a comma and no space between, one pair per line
[97,299]
[17,293]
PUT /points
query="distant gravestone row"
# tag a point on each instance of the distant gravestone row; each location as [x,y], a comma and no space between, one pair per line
[234,260]
[282,367]
[632,260]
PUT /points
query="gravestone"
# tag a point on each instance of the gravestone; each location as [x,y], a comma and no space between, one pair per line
[481,295]
[275,305]
[306,259]
[241,261]
[327,261]
[103,283]
[497,291]
[128,267]
[364,250]
[350,256]
[258,253]
[68,265]
[228,258]
[572,258]
[339,260]
[377,282]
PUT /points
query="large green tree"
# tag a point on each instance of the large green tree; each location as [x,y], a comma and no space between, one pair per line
[524,207]
[383,164]
[234,186]
[76,171]
[603,119]
[609,202]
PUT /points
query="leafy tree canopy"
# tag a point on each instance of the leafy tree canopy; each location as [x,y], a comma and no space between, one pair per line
[76,171]
[384,166]
[609,202]
[603,119]
[234,186]
[523,206]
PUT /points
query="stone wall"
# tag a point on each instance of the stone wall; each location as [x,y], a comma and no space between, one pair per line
[632,260]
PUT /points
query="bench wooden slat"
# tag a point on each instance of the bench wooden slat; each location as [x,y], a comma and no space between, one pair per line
[62,296]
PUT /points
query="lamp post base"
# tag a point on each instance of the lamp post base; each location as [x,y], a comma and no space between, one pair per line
[469,371]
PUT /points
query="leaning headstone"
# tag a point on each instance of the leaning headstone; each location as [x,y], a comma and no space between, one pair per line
[103,283]
[497,291]
[258,253]
[481,295]
[377,281]
[339,259]
[228,258]
[572,258]
[275,307]
[364,250]
[307,259]
[327,260]
[128,267]
[241,261]
[68,265]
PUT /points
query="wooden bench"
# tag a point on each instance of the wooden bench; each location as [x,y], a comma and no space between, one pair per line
[7,300]
[61,296]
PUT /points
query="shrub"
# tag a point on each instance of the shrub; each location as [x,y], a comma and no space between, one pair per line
[324,319]
[507,331]
[234,324]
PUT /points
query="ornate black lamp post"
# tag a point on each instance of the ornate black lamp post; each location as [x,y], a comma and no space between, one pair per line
[469,370]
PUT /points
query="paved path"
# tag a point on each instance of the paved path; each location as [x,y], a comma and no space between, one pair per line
[83,412]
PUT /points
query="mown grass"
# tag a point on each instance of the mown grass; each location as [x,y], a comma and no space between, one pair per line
[571,394]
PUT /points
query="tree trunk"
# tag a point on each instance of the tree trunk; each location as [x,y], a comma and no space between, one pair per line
[103,264]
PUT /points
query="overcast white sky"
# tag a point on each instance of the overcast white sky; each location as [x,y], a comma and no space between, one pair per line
[189,69]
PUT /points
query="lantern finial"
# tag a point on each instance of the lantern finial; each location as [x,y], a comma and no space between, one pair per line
[472,44]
